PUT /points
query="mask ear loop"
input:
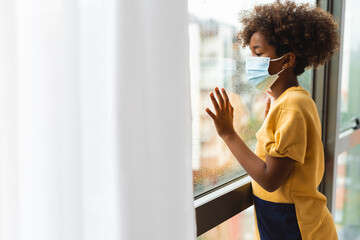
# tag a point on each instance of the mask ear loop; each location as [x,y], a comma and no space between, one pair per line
[276,59]
[282,68]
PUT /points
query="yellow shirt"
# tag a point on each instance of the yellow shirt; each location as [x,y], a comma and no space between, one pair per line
[292,129]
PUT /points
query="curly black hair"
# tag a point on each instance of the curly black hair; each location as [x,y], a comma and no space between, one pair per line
[308,31]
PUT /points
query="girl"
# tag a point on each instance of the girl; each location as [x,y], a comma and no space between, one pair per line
[288,164]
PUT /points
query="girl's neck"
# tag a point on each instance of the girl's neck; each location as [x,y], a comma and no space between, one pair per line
[285,81]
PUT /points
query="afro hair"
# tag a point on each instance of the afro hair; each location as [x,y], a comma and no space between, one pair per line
[307,31]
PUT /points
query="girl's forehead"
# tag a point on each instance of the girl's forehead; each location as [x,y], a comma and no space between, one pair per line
[258,40]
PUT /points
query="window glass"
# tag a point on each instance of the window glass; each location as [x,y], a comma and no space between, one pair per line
[239,227]
[347,201]
[216,59]
[306,80]
[350,71]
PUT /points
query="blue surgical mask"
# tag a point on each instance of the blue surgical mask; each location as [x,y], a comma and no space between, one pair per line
[257,72]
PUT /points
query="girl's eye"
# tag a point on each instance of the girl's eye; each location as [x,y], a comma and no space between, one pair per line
[258,54]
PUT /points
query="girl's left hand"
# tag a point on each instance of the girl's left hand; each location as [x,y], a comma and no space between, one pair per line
[269,100]
[223,119]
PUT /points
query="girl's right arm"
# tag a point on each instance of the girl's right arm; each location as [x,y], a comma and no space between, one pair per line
[270,174]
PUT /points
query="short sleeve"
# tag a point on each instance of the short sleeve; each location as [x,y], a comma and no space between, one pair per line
[287,136]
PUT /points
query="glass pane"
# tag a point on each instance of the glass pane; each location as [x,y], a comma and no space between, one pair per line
[350,84]
[347,202]
[306,80]
[239,227]
[216,59]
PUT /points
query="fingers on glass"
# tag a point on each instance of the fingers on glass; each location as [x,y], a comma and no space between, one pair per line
[215,103]
[270,93]
[268,102]
[225,95]
[220,98]
[227,101]
[211,114]
[222,102]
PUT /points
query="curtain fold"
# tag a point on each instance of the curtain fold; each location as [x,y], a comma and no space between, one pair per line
[95,138]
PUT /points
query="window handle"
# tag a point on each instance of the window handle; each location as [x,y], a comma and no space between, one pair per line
[356,122]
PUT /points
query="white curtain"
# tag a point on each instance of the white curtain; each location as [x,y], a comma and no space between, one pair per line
[95,138]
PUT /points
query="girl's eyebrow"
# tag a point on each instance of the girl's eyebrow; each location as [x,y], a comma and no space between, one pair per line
[255,47]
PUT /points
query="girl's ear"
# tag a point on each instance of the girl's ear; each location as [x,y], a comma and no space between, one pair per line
[289,60]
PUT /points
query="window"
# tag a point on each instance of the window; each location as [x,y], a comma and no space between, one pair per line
[217,59]
[346,174]
[347,206]
[350,83]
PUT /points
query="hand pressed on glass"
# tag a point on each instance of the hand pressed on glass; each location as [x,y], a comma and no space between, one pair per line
[223,119]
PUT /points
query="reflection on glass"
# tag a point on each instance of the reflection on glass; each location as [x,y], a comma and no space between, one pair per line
[239,227]
[347,202]
[350,84]
[216,59]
